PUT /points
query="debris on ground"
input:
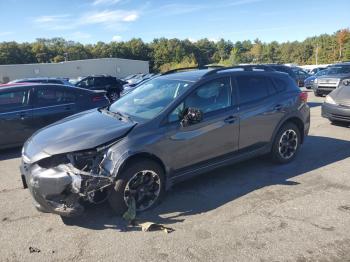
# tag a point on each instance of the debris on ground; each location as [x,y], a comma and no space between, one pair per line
[130,217]
[130,214]
[34,250]
[149,226]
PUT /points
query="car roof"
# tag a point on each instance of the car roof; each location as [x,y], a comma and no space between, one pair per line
[42,78]
[13,85]
[195,75]
[341,64]
[191,76]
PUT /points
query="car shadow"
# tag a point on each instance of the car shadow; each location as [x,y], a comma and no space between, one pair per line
[11,153]
[214,189]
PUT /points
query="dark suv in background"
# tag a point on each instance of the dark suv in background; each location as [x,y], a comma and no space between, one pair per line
[112,85]
[296,73]
[169,129]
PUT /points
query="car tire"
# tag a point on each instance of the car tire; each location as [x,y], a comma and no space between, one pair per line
[113,95]
[118,197]
[286,144]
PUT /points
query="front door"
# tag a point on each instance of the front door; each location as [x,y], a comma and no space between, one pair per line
[215,136]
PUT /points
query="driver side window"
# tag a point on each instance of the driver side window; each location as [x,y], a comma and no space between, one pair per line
[211,96]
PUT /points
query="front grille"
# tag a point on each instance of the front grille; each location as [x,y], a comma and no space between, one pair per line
[328,82]
[326,87]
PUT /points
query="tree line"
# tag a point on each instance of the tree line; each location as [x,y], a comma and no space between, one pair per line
[165,54]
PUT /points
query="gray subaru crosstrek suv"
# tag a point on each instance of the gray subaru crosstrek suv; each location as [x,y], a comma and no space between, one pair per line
[169,129]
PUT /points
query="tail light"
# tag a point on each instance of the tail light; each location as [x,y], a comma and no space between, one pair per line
[303,97]
[98,98]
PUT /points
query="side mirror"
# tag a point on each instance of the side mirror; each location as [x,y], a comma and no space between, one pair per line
[191,116]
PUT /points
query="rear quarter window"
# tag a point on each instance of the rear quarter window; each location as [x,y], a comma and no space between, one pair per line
[254,88]
[280,84]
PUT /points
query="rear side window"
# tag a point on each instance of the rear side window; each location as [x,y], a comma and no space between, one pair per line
[280,84]
[12,100]
[54,96]
[254,88]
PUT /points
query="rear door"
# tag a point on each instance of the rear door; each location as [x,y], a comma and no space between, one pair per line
[52,103]
[15,117]
[261,108]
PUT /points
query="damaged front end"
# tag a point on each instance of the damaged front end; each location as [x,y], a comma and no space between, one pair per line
[61,184]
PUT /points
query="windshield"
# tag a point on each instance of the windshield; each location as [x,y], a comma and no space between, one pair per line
[336,70]
[150,98]
[322,72]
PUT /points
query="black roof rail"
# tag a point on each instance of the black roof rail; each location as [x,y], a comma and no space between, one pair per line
[244,67]
[191,68]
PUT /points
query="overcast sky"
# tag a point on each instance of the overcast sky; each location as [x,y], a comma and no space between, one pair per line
[89,21]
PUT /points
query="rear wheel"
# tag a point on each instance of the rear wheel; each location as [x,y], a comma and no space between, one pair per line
[286,144]
[143,181]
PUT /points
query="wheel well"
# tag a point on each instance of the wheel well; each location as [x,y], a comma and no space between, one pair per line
[299,124]
[142,156]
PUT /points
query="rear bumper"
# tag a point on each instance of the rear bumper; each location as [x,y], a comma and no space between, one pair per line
[336,112]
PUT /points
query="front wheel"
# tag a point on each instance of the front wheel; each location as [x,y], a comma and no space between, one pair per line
[286,144]
[143,181]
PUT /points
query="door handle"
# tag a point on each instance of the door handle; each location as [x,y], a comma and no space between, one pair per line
[67,107]
[22,115]
[230,119]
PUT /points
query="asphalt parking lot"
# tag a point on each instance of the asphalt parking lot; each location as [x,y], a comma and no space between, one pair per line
[253,211]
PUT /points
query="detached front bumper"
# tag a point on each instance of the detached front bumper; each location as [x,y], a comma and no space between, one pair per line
[336,112]
[54,190]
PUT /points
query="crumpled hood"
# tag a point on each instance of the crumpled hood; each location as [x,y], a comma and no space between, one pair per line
[82,131]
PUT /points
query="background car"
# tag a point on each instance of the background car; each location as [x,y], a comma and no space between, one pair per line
[44,80]
[129,87]
[112,85]
[337,105]
[301,76]
[334,78]
[296,73]
[309,82]
[27,107]
[284,69]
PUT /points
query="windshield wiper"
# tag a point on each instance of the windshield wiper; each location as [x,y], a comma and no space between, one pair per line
[117,115]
